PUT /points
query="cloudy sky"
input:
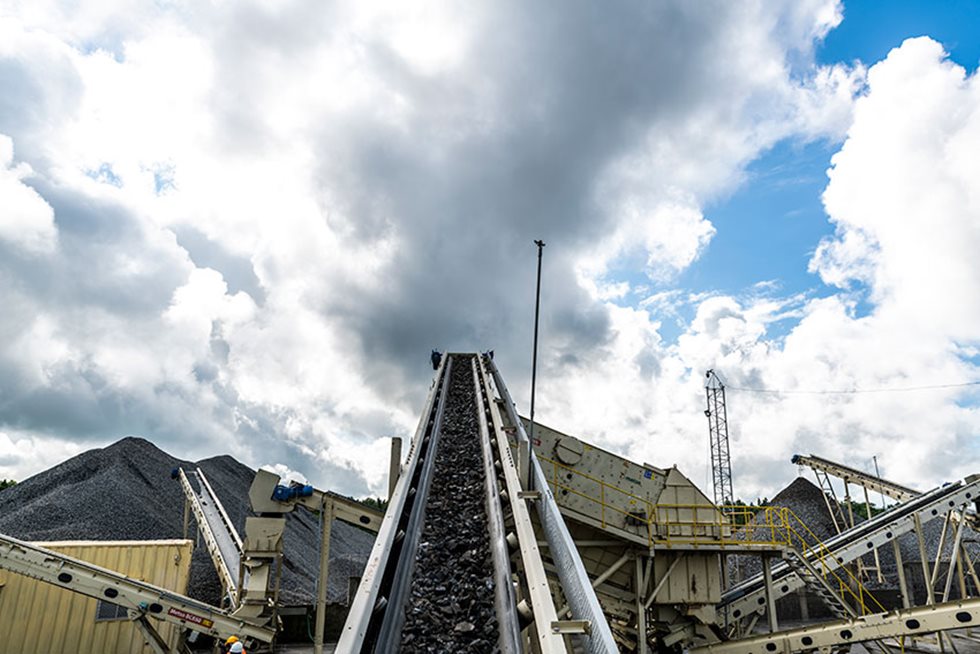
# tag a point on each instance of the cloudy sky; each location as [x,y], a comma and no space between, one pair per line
[240,227]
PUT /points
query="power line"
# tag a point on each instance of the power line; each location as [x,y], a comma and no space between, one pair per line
[852,391]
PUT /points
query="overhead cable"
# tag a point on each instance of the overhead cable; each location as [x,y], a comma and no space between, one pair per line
[851,391]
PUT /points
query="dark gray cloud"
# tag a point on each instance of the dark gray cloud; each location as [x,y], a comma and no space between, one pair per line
[569,92]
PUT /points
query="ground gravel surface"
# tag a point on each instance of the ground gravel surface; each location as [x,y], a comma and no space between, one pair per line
[124,492]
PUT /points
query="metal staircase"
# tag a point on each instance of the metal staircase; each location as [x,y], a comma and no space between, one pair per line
[819,586]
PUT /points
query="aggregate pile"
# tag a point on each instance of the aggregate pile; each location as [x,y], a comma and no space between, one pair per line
[125,492]
[451,608]
[809,518]
[807,502]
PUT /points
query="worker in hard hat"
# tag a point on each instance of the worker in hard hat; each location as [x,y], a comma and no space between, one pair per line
[230,642]
[237,648]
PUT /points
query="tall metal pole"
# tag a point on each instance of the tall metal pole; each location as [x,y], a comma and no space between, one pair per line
[534,358]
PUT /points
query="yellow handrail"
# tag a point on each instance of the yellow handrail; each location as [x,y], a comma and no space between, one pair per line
[846,583]
[673,524]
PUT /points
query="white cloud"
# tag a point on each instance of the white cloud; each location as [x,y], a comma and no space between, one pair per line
[26,220]
[903,196]
[286,474]
[24,454]
[378,188]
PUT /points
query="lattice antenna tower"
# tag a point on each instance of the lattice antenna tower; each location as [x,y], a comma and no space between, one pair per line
[721,460]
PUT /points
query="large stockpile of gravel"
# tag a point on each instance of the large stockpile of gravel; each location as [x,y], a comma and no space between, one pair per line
[807,507]
[124,492]
[808,516]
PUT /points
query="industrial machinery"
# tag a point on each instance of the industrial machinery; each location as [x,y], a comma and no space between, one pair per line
[654,545]
[247,569]
[650,540]
[458,563]
[493,541]
[145,602]
[248,565]
[220,537]
[954,525]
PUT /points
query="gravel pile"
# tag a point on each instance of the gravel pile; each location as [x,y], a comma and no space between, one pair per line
[806,502]
[809,517]
[451,604]
[124,492]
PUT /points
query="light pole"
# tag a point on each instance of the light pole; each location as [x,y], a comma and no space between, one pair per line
[534,356]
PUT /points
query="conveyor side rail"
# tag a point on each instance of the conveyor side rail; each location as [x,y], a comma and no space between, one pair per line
[575,582]
[220,537]
[138,597]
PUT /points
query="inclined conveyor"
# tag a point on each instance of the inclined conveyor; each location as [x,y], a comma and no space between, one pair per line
[845,548]
[220,537]
[468,400]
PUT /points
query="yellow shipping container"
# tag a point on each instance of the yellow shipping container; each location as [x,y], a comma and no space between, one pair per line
[39,618]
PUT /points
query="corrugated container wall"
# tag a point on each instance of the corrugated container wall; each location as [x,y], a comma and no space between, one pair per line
[39,618]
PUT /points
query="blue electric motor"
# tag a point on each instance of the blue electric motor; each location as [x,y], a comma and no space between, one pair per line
[293,491]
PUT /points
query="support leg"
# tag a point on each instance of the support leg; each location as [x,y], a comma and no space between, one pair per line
[641,612]
[326,518]
[770,596]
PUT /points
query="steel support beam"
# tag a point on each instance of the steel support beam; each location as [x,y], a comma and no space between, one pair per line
[895,624]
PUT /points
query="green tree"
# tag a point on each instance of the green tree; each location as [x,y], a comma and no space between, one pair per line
[861,510]
[7,483]
[375,503]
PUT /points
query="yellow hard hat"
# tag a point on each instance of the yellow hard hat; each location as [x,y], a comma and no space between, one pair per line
[231,639]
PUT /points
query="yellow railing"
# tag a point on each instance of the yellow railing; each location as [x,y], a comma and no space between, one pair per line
[839,576]
[705,524]
[675,524]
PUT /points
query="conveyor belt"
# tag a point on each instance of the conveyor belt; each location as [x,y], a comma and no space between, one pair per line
[142,599]
[855,476]
[845,548]
[220,536]
[430,578]
[444,536]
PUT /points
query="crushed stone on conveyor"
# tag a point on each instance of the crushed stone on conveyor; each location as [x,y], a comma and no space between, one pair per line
[451,607]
